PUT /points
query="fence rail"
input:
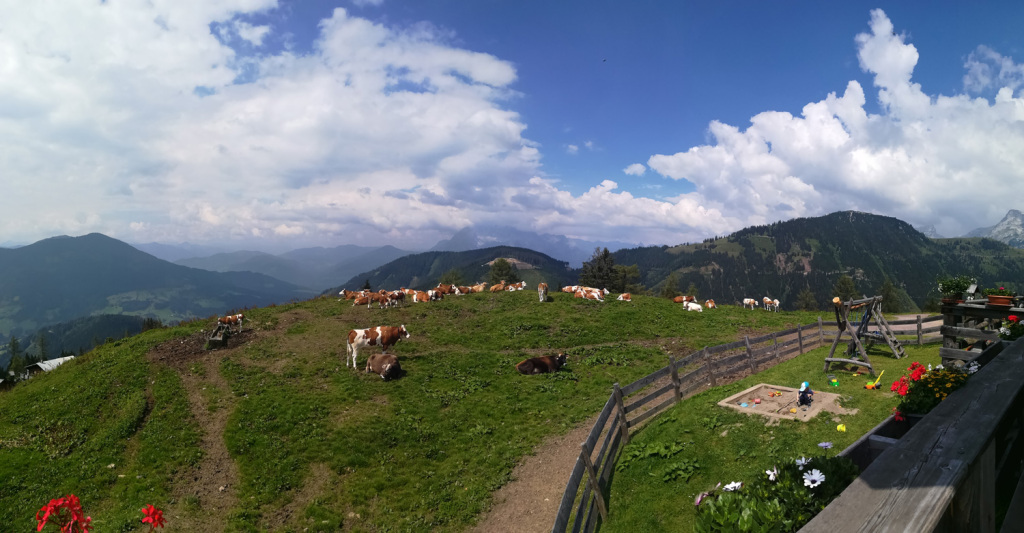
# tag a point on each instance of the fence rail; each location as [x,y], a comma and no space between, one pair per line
[584,503]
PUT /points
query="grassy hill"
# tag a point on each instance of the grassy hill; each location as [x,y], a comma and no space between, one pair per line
[274,432]
[781,259]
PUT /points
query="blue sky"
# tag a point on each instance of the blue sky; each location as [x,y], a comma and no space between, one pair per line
[273,125]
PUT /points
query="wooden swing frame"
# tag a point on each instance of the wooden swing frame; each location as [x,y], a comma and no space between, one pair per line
[856,354]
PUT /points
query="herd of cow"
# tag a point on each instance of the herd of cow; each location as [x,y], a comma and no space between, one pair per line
[385,337]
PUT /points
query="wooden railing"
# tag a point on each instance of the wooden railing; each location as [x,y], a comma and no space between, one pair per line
[953,470]
[583,503]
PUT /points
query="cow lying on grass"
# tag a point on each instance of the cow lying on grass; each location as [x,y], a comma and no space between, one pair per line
[384,364]
[541,365]
[383,336]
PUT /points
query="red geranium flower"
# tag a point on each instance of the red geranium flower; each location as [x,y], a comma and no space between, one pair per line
[1013,318]
[154,517]
[67,513]
[898,416]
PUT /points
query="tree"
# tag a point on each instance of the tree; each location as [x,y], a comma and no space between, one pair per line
[501,269]
[366,285]
[671,287]
[625,277]
[18,364]
[599,272]
[692,290]
[452,277]
[805,300]
[43,347]
[845,288]
[890,297]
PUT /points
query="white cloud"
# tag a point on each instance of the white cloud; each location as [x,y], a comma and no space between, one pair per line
[572,149]
[367,3]
[636,169]
[916,160]
[126,118]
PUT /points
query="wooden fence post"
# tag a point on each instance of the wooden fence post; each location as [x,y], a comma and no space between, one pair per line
[920,338]
[821,332]
[800,338]
[709,367]
[675,378]
[595,486]
[775,342]
[617,392]
[750,355]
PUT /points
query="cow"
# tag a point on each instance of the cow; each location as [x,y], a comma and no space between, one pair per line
[775,304]
[571,288]
[480,287]
[541,365]
[408,292]
[232,320]
[542,291]
[384,364]
[683,299]
[694,306]
[435,295]
[499,287]
[767,303]
[749,301]
[710,304]
[361,300]
[625,297]
[347,294]
[383,336]
[420,296]
[444,289]
[517,286]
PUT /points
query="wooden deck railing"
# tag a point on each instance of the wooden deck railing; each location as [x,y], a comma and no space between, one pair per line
[583,503]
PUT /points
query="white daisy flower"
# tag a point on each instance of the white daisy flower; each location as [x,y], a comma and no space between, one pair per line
[732,486]
[773,474]
[813,478]
[802,462]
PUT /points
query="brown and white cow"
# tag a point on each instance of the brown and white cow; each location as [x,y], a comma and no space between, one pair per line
[463,290]
[383,336]
[775,305]
[480,287]
[232,320]
[683,299]
[384,364]
[444,288]
[541,365]
[347,294]
[420,296]
[694,306]
[499,287]
[361,300]
[571,288]
[710,304]
[542,291]
[625,297]
[749,301]
[768,303]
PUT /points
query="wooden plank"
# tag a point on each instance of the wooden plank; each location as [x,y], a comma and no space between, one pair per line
[691,359]
[594,482]
[585,510]
[969,333]
[1015,514]
[821,332]
[911,486]
[644,381]
[762,338]
[709,366]
[617,394]
[725,347]
[800,338]
[957,354]
[613,432]
[919,332]
[630,407]
[750,356]
[675,377]
[568,497]
[601,419]
[785,332]
[731,360]
[653,411]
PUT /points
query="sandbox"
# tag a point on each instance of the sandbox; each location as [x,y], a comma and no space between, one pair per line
[777,402]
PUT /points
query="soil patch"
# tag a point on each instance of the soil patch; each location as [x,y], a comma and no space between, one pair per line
[781,402]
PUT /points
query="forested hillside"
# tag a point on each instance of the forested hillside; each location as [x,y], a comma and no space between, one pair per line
[422,271]
[782,259]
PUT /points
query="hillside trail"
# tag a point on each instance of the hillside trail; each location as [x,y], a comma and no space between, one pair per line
[205,495]
[529,502]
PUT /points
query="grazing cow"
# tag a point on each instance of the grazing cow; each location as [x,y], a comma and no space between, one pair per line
[710,304]
[767,303]
[541,365]
[625,297]
[749,301]
[384,364]
[542,291]
[694,306]
[396,297]
[775,304]
[683,299]
[232,320]
[383,336]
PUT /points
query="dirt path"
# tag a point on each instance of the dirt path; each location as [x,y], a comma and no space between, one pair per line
[204,496]
[529,502]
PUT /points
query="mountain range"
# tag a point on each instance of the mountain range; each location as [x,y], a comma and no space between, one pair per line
[560,247]
[63,278]
[1009,230]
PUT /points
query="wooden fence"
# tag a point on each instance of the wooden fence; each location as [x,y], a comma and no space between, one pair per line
[583,503]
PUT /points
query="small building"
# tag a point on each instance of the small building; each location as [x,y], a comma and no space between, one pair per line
[46,366]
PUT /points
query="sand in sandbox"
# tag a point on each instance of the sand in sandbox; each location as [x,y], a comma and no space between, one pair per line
[779,406]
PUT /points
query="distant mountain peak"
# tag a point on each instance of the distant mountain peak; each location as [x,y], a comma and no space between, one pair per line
[1009,230]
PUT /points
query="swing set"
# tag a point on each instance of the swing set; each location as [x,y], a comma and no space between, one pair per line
[869,309]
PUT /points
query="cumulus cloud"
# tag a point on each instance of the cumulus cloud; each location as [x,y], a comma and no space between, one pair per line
[140,121]
[905,161]
[572,149]
[636,169]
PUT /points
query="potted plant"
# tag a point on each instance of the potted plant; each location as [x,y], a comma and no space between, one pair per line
[1001,296]
[952,288]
